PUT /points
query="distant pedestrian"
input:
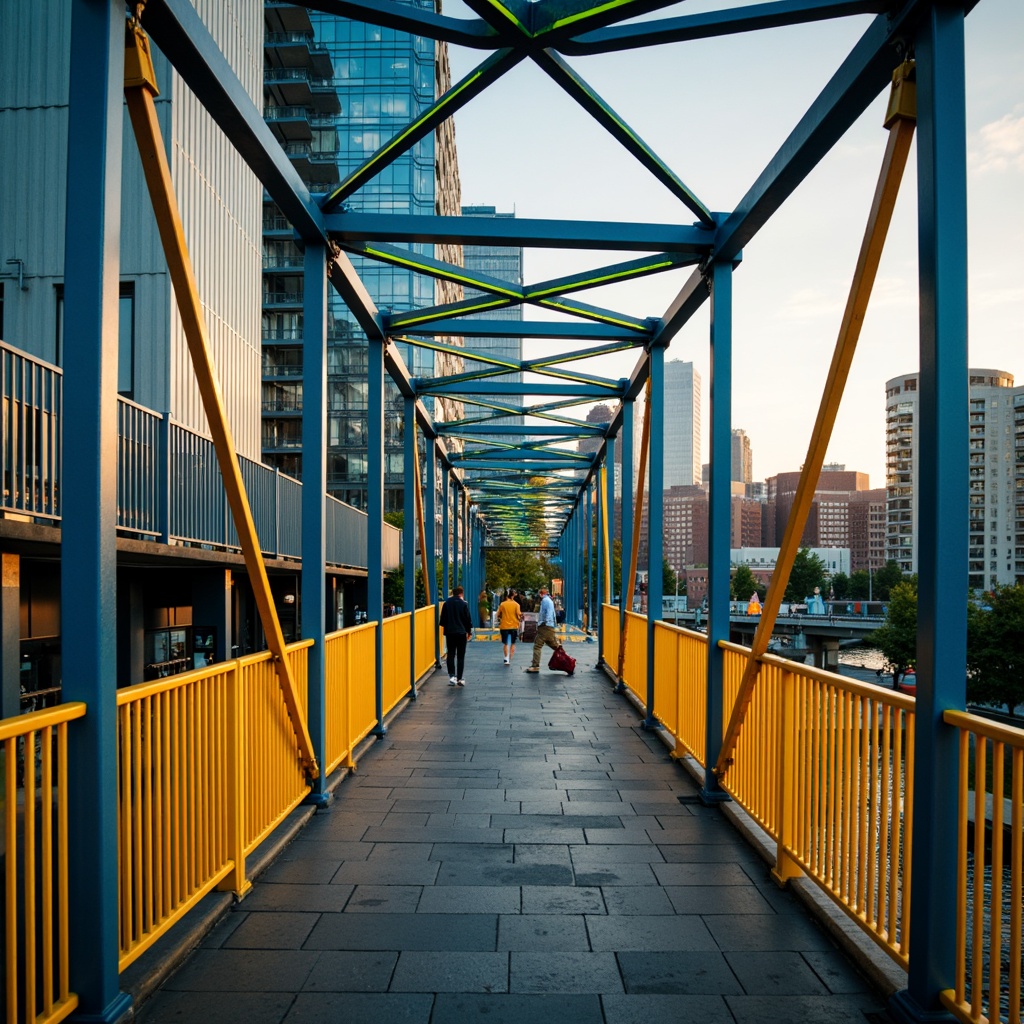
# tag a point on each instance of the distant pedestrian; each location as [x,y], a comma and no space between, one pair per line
[545,629]
[457,623]
[510,615]
[483,607]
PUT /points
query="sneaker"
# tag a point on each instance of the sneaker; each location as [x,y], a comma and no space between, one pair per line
[452,680]
[531,669]
[462,682]
[506,661]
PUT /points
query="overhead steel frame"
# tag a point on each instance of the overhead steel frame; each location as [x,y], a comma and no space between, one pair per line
[538,31]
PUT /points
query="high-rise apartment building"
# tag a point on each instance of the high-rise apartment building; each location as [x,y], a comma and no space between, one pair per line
[504,262]
[334,92]
[682,424]
[994,476]
[742,461]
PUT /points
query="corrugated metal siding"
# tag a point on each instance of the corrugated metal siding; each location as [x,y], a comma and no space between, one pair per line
[221,211]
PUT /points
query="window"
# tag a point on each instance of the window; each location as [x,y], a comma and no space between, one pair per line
[125,336]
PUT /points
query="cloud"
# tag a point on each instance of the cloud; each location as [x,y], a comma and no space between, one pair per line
[1000,146]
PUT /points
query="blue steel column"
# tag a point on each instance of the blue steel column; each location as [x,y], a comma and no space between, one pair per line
[89,554]
[719,517]
[942,438]
[598,573]
[446,548]
[588,557]
[655,518]
[314,489]
[456,510]
[412,479]
[430,530]
[375,518]
[626,510]
[610,524]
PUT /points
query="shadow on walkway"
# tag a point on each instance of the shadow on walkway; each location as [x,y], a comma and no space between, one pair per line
[517,850]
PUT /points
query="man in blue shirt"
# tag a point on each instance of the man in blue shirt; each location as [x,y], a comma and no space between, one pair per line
[545,629]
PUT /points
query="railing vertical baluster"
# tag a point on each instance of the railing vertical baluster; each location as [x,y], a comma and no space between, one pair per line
[236,796]
[785,778]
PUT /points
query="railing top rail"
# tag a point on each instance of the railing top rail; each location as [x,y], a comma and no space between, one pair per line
[672,628]
[891,697]
[121,400]
[154,687]
[28,357]
[397,618]
[363,627]
[18,725]
[997,731]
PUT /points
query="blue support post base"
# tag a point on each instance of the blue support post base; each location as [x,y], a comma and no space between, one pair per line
[380,730]
[904,1009]
[413,693]
[712,795]
[321,801]
[119,1010]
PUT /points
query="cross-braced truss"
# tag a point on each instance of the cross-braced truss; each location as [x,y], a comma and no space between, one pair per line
[526,479]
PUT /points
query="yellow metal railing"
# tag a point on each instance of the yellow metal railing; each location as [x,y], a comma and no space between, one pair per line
[426,634]
[825,765]
[35,850]
[350,698]
[610,636]
[680,687]
[395,685]
[989,905]
[208,766]
[634,671]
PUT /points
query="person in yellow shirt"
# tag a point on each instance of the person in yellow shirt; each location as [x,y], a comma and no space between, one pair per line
[509,617]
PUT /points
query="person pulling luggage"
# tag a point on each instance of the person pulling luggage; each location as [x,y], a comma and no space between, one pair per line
[545,629]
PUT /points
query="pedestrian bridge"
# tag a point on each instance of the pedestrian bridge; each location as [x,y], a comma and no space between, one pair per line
[553,856]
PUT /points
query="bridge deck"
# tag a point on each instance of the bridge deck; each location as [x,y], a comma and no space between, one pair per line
[517,851]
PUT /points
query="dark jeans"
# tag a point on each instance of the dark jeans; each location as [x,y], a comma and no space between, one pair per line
[456,653]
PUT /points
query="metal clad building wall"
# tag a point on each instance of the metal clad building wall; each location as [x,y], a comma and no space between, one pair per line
[33,155]
[221,206]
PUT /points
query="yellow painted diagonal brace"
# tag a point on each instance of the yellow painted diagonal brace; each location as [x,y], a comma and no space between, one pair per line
[139,92]
[901,126]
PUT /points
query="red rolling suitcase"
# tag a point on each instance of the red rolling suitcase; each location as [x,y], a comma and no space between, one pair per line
[561,662]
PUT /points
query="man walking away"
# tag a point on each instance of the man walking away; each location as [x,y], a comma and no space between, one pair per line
[457,623]
[509,617]
[545,629]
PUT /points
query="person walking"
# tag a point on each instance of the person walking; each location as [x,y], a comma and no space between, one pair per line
[510,615]
[457,623]
[483,607]
[545,629]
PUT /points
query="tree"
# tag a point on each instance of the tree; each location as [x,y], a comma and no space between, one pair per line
[744,583]
[668,578]
[519,567]
[995,648]
[839,586]
[885,579]
[860,585]
[897,637]
[808,573]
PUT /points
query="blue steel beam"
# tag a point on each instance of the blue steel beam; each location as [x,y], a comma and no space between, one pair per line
[471,32]
[375,520]
[567,304]
[430,386]
[442,108]
[572,83]
[717,23]
[181,35]
[655,516]
[529,233]
[516,430]
[554,20]
[630,270]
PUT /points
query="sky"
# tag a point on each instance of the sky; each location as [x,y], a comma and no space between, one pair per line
[717,111]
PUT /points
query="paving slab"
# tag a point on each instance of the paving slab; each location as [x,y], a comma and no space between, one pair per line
[516,851]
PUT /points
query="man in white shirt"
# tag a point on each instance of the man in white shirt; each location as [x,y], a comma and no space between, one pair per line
[545,629]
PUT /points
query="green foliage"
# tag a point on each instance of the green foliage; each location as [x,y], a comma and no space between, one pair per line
[885,579]
[995,648]
[668,578]
[860,586]
[744,583]
[897,638]
[808,573]
[395,519]
[519,568]
[839,585]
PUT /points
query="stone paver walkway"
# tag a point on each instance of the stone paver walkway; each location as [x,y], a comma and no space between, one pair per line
[517,850]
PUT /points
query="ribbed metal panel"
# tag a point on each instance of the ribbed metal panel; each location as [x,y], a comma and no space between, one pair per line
[220,202]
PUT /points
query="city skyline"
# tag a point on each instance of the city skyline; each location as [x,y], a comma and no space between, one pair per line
[791,287]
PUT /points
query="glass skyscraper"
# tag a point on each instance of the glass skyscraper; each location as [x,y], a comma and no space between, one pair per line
[334,92]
